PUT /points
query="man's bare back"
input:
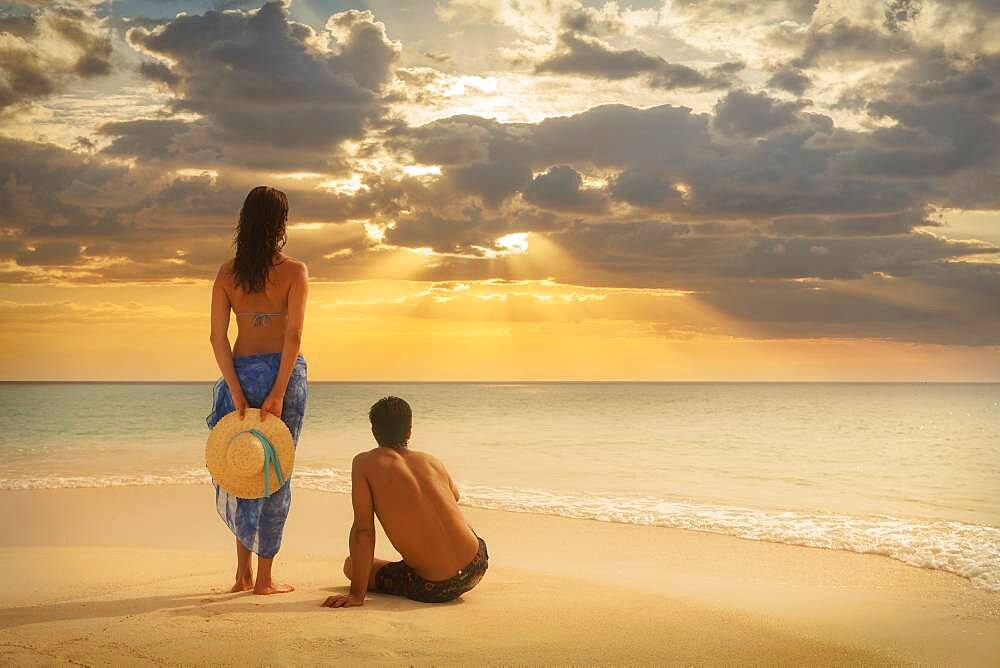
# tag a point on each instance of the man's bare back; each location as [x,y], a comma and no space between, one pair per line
[416,501]
[417,504]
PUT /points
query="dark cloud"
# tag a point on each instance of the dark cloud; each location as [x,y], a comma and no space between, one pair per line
[42,184]
[898,13]
[747,114]
[843,41]
[852,226]
[40,52]
[799,11]
[560,188]
[944,110]
[268,93]
[492,181]
[877,308]
[773,160]
[844,258]
[50,254]
[588,56]
[54,201]
[590,21]
[646,189]
[148,138]
[157,71]
[790,79]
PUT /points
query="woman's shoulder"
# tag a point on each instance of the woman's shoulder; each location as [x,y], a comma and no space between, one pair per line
[294,266]
[226,268]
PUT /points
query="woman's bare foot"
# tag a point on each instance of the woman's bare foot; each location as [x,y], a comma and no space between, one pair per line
[264,584]
[262,589]
[243,584]
[244,569]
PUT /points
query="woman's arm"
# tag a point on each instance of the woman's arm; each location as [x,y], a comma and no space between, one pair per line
[220,341]
[297,295]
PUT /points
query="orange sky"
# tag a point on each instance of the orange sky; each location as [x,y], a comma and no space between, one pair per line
[397,330]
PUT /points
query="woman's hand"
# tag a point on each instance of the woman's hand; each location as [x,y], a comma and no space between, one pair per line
[272,404]
[239,401]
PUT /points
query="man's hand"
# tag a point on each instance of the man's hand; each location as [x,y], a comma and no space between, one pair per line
[342,601]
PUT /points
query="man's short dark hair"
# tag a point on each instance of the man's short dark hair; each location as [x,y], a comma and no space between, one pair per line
[391,420]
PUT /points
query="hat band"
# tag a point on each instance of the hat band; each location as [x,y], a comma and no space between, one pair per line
[270,460]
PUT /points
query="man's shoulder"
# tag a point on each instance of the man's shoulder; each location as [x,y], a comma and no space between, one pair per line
[429,458]
[362,459]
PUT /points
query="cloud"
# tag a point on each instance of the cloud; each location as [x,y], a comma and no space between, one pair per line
[898,13]
[588,56]
[270,92]
[790,79]
[855,257]
[944,110]
[42,51]
[773,159]
[876,307]
[746,114]
[147,138]
[846,41]
[559,188]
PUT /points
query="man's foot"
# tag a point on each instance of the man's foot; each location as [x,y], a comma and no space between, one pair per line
[243,584]
[272,588]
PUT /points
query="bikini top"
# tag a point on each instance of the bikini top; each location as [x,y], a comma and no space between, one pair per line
[261,318]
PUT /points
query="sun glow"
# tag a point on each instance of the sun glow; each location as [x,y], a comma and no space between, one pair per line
[296,176]
[344,186]
[479,84]
[422,170]
[515,243]
[375,232]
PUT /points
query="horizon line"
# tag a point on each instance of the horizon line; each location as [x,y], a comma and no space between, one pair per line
[516,382]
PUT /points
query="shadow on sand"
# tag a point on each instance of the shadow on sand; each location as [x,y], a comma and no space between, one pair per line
[204,605]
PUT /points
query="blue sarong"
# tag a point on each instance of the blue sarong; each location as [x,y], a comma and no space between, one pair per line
[259,523]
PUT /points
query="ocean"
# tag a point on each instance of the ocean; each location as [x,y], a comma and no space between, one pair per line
[906,470]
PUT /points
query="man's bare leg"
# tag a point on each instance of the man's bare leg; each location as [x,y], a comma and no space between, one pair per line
[244,568]
[264,583]
[376,564]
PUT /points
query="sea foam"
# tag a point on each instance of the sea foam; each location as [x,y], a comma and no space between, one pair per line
[968,550]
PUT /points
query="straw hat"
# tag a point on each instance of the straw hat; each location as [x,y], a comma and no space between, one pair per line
[250,458]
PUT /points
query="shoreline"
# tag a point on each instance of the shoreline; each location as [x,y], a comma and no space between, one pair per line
[130,573]
[951,546]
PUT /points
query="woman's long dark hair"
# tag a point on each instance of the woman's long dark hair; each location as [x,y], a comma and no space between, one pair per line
[260,234]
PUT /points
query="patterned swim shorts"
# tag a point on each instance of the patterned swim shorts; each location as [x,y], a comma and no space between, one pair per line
[398,579]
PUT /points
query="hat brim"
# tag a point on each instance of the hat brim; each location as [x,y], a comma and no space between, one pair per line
[242,486]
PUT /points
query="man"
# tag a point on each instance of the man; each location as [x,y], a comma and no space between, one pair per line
[417,503]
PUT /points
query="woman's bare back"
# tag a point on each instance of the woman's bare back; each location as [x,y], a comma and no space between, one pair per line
[261,317]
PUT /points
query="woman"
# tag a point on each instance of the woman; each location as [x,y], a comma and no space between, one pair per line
[267,291]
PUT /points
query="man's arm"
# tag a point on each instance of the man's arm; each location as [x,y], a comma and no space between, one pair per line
[361,539]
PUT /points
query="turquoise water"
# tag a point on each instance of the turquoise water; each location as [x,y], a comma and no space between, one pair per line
[907,470]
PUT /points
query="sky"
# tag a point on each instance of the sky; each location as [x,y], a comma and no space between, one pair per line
[510,190]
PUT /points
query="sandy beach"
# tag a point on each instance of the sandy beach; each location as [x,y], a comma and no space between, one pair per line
[139,576]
